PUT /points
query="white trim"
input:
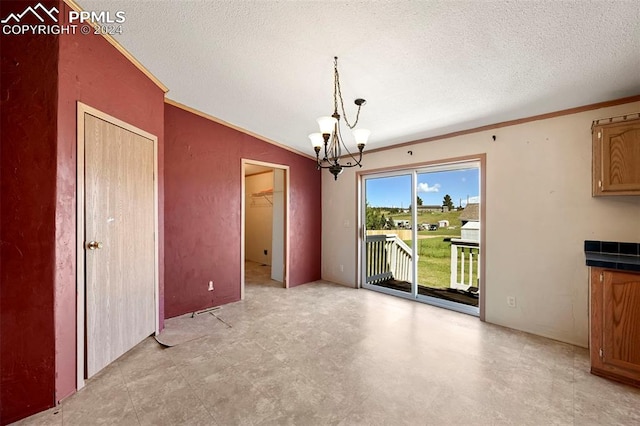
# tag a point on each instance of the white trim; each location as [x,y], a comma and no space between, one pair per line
[287,203]
[433,301]
[414,235]
[80,282]
[83,109]
[450,305]
[449,166]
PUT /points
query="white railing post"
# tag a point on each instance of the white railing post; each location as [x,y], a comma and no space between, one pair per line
[392,258]
[477,283]
[387,257]
[461,266]
[470,267]
[453,283]
[464,279]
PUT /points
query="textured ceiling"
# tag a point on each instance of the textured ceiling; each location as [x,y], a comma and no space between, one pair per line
[425,67]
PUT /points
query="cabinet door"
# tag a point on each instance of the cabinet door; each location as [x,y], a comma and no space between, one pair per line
[621,322]
[616,158]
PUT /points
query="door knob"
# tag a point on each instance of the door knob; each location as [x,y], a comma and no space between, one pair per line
[94,245]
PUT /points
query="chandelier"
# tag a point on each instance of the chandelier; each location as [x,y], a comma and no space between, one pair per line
[330,136]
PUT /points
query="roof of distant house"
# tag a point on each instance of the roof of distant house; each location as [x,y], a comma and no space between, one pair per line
[471,212]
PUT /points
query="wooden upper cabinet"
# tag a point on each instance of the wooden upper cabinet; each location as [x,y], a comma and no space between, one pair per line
[616,158]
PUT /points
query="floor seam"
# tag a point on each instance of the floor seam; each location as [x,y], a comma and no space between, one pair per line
[126,385]
[192,389]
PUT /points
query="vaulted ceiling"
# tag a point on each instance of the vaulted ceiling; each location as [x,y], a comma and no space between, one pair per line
[426,68]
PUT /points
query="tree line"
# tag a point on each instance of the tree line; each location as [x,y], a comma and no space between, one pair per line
[376,219]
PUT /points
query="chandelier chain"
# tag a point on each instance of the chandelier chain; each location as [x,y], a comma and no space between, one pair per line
[330,135]
[338,92]
[345,146]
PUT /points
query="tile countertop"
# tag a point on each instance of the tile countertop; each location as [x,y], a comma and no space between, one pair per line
[613,255]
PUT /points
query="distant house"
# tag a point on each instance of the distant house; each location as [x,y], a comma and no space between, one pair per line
[470,231]
[402,224]
[471,213]
[443,223]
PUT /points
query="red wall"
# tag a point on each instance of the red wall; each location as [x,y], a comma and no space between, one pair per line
[27,220]
[42,78]
[203,180]
[92,71]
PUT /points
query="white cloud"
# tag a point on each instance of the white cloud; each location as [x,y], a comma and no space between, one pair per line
[424,187]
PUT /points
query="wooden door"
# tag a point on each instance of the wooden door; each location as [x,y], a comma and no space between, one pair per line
[119,241]
[621,317]
[615,325]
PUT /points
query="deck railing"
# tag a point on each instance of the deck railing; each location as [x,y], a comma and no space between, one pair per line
[388,257]
[465,264]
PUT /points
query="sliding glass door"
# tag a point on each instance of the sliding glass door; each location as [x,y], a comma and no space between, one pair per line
[422,234]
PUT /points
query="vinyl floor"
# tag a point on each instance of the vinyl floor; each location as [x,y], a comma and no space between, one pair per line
[324,354]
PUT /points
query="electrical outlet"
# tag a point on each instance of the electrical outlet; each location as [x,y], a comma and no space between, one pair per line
[210,286]
[341,268]
[511,301]
[265,251]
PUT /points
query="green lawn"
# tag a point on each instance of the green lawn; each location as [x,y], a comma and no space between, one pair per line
[434,262]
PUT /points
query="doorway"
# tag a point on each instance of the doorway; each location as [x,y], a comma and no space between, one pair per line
[422,234]
[264,224]
[117,247]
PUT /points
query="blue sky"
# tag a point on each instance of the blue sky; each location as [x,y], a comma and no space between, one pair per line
[432,187]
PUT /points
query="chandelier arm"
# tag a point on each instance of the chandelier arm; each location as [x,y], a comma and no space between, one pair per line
[318,160]
[338,141]
[349,152]
[320,166]
[326,147]
[326,150]
[357,162]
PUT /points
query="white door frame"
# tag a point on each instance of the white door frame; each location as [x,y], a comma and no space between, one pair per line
[244,162]
[83,109]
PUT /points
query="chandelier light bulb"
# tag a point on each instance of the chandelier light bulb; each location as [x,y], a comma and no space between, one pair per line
[327,124]
[361,136]
[316,140]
